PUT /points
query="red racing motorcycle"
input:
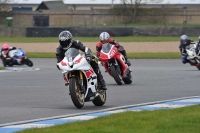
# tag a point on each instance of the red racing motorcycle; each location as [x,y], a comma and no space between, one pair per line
[114,63]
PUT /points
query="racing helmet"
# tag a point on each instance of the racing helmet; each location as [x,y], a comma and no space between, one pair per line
[104,37]
[184,39]
[199,38]
[65,39]
[5,48]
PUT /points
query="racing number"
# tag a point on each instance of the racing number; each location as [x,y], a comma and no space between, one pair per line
[112,52]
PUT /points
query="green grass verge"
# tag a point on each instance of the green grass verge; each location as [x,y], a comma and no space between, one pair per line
[40,55]
[181,120]
[94,39]
[175,55]
[2,68]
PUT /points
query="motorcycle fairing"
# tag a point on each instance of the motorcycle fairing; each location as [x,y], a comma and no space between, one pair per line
[18,55]
[81,64]
[192,57]
[113,53]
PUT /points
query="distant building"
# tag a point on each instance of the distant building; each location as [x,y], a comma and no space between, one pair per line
[88,4]
[52,5]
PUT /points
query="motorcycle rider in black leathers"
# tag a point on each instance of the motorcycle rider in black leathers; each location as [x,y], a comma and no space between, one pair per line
[184,42]
[65,40]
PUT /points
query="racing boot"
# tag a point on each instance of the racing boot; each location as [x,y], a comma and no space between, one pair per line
[123,52]
[127,61]
[101,80]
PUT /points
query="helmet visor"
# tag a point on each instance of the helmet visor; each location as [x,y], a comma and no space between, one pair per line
[184,41]
[6,50]
[104,41]
[65,44]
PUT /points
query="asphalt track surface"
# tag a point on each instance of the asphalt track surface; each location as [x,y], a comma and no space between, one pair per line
[40,94]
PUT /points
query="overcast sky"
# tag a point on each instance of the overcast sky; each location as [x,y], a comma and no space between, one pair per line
[108,1]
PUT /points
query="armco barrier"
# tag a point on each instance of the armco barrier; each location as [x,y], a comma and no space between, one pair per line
[77,31]
[114,31]
[95,31]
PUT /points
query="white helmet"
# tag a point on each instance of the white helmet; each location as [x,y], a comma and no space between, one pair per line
[184,39]
[104,37]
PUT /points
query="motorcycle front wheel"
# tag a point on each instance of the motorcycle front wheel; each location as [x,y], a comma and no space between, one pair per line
[76,95]
[115,75]
[28,62]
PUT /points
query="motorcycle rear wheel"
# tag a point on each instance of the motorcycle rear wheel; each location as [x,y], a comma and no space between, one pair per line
[128,80]
[4,64]
[77,97]
[115,75]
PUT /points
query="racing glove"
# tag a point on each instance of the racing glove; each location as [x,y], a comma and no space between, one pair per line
[88,54]
[120,49]
[98,58]
[88,57]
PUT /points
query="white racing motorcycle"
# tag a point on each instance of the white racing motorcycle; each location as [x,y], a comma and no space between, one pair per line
[18,58]
[192,56]
[81,78]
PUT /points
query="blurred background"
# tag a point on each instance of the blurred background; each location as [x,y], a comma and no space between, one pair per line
[46,18]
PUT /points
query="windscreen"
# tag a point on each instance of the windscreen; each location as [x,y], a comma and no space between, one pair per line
[191,47]
[71,53]
[18,51]
[106,47]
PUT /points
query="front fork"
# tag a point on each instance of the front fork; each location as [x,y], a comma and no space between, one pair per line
[79,81]
[115,63]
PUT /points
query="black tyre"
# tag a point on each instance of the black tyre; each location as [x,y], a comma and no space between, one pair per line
[10,63]
[128,80]
[101,99]
[28,62]
[4,63]
[198,67]
[115,75]
[77,97]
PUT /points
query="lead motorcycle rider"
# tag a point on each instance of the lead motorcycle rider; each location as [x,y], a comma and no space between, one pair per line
[66,42]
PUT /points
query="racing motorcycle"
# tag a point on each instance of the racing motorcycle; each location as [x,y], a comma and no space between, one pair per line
[115,64]
[19,58]
[81,79]
[194,59]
